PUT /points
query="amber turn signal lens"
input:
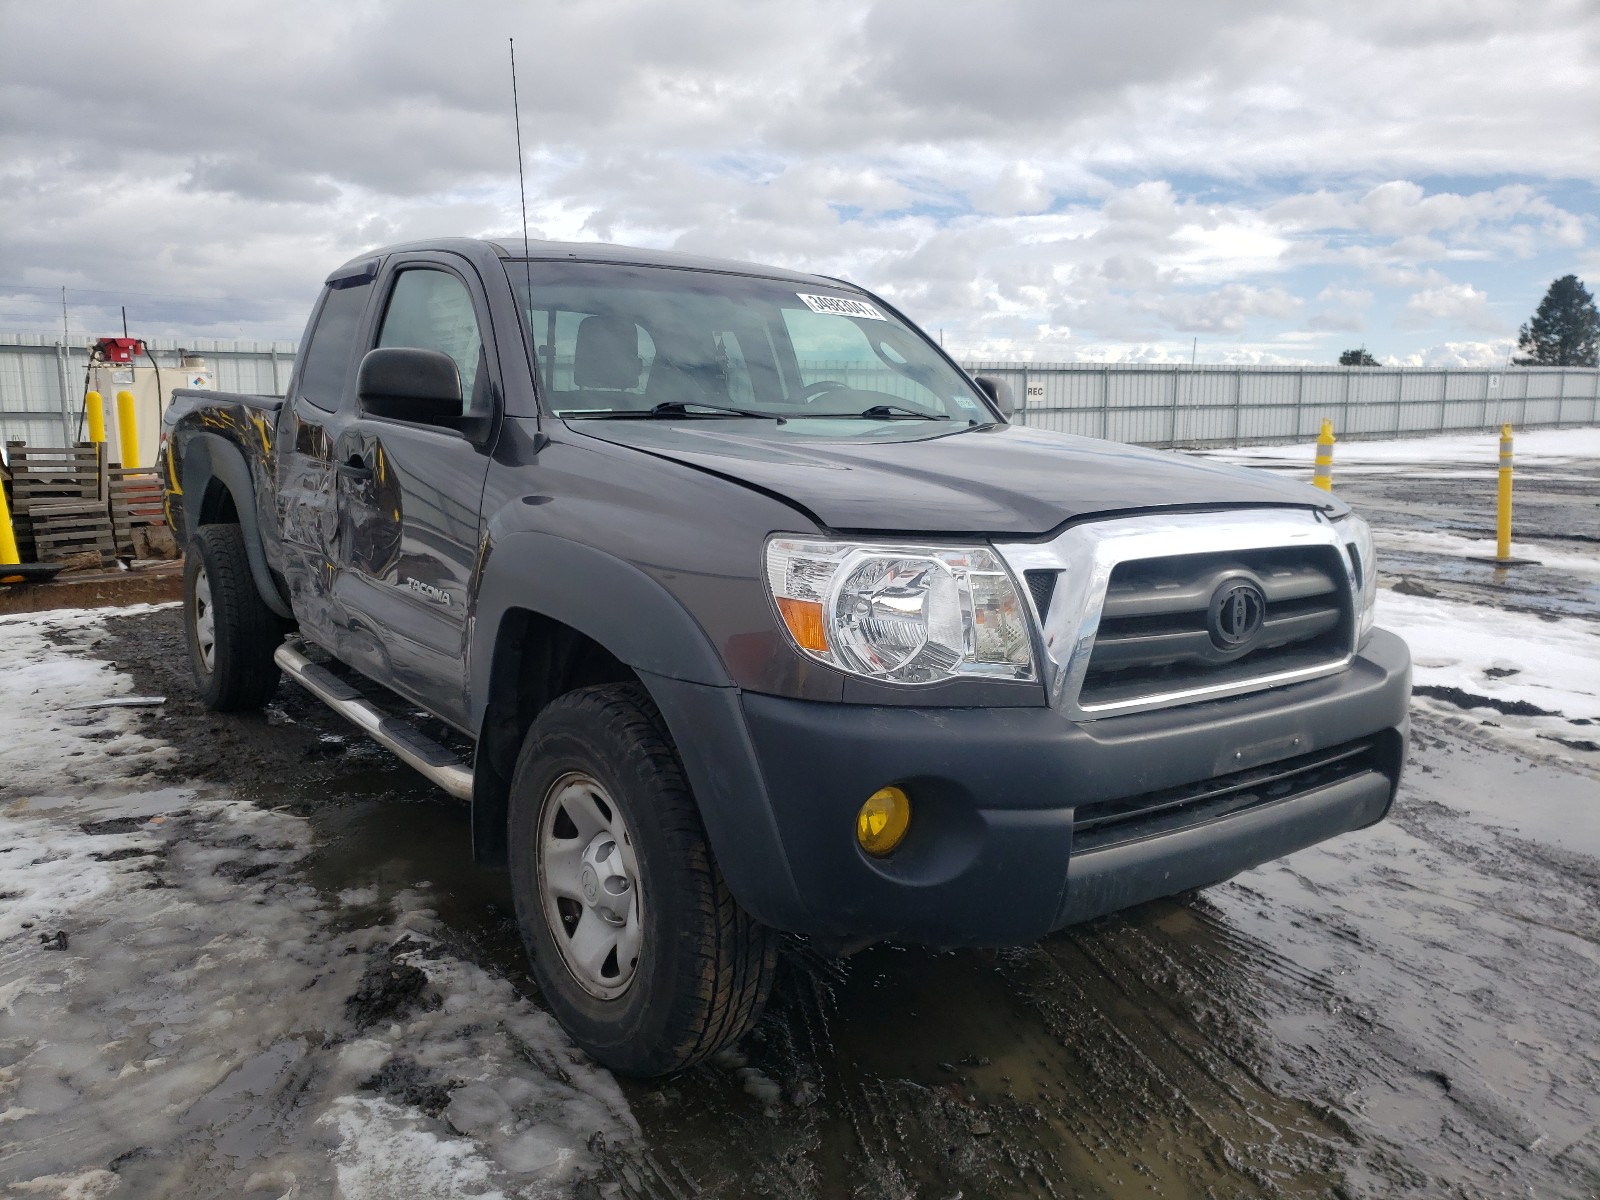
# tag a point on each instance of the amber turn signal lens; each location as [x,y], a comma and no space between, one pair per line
[883,820]
[804,619]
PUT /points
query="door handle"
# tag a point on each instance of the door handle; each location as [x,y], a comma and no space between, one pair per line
[355,471]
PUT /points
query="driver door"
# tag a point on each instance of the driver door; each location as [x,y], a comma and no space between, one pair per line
[410,497]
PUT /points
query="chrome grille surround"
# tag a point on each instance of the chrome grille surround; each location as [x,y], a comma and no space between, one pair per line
[1085,555]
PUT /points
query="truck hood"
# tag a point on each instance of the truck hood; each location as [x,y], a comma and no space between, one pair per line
[1006,480]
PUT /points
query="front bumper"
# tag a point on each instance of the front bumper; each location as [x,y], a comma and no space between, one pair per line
[996,793]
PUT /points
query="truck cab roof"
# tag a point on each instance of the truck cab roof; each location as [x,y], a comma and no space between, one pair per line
[483,251]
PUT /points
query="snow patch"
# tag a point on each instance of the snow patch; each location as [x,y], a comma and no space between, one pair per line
[191,1032]
[45,747]
[1510,657]
[387,1151]
[1449,545]
[1541,445]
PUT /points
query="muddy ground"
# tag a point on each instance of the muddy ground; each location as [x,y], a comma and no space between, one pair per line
[1411,1010]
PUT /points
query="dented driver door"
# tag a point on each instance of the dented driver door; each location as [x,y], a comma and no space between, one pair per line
[409,497]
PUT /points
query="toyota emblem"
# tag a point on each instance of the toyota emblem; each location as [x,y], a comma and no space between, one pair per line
[1237,611]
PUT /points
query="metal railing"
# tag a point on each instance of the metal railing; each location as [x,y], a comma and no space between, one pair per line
[41,394]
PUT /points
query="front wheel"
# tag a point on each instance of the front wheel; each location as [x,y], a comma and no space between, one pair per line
[640,950]
[232,633]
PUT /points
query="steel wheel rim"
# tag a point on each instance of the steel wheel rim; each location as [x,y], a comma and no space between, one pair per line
[589,885]
[205,621]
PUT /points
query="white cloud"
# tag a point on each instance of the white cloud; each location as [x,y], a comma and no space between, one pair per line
[1456,354]
[1227,309]
[1001,168]
[1454,303]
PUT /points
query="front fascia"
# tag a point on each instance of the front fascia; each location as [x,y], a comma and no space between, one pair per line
[1085,555]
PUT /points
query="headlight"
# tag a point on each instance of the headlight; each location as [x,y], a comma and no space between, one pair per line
[903,614]
[1357,537]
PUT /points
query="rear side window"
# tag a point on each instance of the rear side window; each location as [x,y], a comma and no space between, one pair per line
[327,367]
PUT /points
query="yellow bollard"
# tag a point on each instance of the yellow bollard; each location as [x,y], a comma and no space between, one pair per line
[1324,473]
[127,430]
[1502,525]
[8,539]
[95,405]
[1502,548]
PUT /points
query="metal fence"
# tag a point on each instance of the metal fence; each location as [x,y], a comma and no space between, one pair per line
[41,394]
[1184,406]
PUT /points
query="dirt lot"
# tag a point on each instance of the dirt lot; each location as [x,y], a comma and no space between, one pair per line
[1410,1010]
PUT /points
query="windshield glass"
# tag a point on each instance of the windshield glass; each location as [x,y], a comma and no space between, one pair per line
[620,340]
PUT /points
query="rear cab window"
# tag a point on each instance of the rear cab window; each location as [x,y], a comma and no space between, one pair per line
[328,357]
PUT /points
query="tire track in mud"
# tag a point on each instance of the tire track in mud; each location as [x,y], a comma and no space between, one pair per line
[1405,1011]
[1394,1013]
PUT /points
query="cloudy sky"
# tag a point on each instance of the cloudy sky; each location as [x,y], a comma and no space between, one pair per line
[1044,179]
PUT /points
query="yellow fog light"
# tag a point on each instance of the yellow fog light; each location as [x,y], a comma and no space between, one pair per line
[883,820]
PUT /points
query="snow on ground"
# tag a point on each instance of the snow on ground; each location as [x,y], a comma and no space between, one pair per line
[1506,660]
[181,1014]
[1542,445]
[1454,546]
[45,745]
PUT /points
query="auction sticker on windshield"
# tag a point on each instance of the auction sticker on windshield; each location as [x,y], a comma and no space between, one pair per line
[841,306]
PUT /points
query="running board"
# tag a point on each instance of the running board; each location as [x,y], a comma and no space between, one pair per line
[411,747]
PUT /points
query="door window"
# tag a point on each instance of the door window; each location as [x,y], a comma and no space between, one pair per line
[432,310]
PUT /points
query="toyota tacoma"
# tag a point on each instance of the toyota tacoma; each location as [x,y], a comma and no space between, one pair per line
[737,607]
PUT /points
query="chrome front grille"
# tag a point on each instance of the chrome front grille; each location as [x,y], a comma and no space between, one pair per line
[1157,624]
[1140,612]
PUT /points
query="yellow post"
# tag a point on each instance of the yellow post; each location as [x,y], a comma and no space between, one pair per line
[1324,473]
[96,406]
[127,430]
[8,539]
[1502,548]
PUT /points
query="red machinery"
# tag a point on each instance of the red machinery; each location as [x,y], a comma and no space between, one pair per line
[117,349]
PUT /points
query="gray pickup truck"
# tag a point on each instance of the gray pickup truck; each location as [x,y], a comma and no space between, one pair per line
[740,608]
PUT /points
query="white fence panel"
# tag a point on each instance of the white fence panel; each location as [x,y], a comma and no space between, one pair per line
[41,394]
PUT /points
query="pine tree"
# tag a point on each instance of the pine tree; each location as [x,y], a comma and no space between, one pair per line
[1357,358]
[1565,332]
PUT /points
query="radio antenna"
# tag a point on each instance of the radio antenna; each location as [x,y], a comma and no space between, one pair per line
[516,116]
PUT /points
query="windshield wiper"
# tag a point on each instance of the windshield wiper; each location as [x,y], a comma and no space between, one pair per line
[672,408]
[878,412]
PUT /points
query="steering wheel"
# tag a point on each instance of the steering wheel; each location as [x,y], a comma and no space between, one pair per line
[821,388]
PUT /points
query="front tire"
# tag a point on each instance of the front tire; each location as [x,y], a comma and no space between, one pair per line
[231,632]
[641,951]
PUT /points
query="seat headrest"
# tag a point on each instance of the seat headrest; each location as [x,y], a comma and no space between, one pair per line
[606,354]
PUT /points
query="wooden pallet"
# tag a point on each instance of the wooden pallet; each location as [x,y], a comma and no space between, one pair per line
[136,503]
[63,531]
[61,501]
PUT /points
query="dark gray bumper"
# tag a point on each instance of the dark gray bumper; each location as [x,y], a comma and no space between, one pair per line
[990,858]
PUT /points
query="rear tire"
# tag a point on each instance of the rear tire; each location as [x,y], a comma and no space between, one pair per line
[641,951]
[231,632]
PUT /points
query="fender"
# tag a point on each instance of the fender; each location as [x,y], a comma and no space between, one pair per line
[644,626]
[601,596]
[206,456]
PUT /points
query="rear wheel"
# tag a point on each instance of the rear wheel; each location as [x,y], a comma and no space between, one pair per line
[232,633]
[641,951]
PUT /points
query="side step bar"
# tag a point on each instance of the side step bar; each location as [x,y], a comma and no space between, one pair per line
[411,747]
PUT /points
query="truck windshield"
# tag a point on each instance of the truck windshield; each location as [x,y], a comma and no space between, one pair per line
[618,340]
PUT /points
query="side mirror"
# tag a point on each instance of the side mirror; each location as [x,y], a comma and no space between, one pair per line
[407,383]
[999,391]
